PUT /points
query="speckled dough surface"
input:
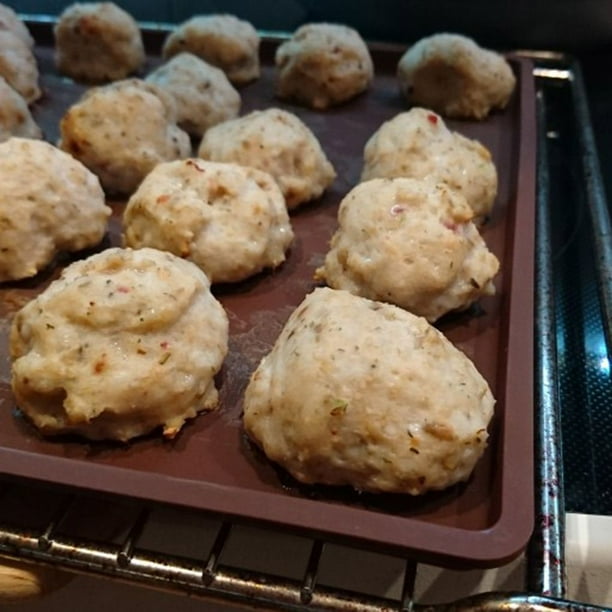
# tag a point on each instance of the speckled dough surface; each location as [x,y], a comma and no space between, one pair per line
[121,132]
[452,75]
[202,93]
[15,116]
[125,341]
[277,142]
[18,65]
[224,41]
[97,42]
[323,64]
[230,220]
[392,405]
[49,202]
[10,21]
[412,243]
[417,143]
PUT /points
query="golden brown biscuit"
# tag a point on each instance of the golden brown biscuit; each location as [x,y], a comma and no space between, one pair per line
[228,219]
[202,93]
[277,142]
[49,203]
[97,42]
[412,243]
[365,394]
[124,342]
[224,41]
[18,66]
[121,132]
[418,143]
[10,21]
[323,64]
[15,116]
[453,76]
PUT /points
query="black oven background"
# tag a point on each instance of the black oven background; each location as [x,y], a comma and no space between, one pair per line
[570,25]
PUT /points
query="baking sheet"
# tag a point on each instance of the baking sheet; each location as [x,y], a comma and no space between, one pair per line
[212,466]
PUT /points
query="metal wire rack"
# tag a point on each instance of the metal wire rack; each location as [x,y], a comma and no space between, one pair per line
[107,536]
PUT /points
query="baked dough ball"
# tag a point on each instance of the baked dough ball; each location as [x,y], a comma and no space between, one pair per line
[49,202]
[121,132]
[125,341]
[277,142]
[452,75]
[202,93]
[390,404]
[228,219]
[97,42]
[162,93]
[412,243]
[15,117]
[224,41]
[417,144]
[18,65]
[323,64]
[10,21]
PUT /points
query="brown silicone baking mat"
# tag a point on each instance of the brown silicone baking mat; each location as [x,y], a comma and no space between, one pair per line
[212,466]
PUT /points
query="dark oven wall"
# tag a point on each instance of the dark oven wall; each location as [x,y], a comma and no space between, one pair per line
[567,24]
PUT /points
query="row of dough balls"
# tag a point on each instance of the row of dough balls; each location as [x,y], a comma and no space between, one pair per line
[230,220]
[99,42]
[203,210]
[392,405]
[444,267]
[408,233]
[374,416]
[101,131]
[321,65]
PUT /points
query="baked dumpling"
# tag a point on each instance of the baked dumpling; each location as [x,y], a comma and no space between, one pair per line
[455,77]
[361,393]
[18,66]
[49,203]
[15,116]
[412,243]
[277,142]
[323,64]
[124,342]
[224,41]
[230,220]
[10,21]
[202,93]
[121,132]
[418,143]
[97,42]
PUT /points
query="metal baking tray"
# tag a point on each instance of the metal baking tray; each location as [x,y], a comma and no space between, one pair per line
[212,466]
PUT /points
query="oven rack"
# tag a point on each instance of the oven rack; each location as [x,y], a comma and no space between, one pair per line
[66,532]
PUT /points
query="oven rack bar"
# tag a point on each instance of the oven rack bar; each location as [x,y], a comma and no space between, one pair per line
[227,584]
[209,578]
